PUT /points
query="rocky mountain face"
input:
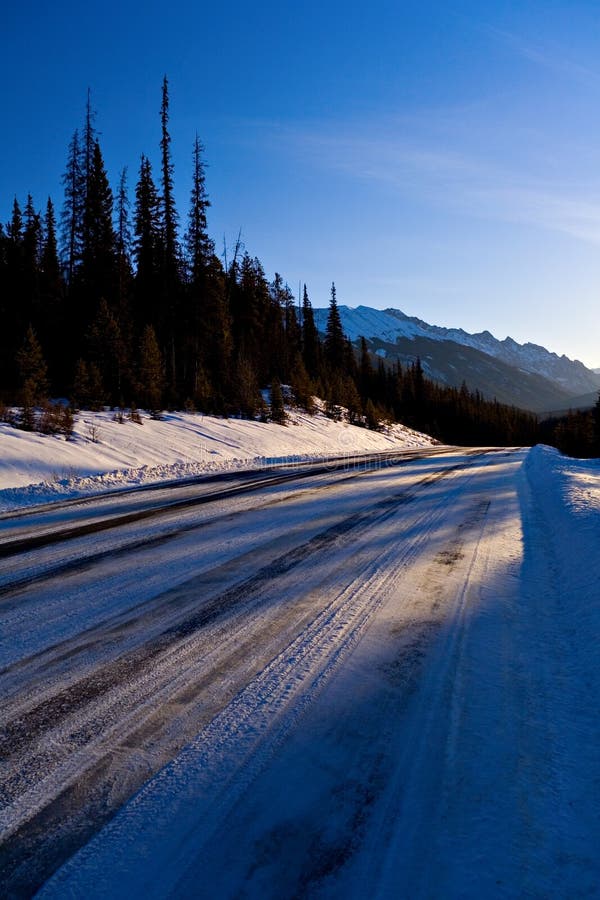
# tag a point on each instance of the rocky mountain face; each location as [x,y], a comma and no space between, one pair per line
[524,375]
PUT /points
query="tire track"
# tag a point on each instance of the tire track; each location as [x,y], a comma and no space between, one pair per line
[114,698]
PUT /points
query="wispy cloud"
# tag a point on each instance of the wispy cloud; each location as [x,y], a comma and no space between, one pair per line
[548,56]
[466,183]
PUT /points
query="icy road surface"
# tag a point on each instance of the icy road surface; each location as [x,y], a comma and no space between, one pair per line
[363,684]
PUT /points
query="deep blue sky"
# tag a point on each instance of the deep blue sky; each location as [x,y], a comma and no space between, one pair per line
[442,157]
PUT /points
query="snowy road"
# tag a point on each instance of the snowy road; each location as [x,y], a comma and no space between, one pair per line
[342,686]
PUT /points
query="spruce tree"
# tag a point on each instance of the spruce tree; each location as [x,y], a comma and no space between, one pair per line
[199,246]
[107,352]
[301,385]
[311,347]
[150,373]
[366,369]
[335,342]
[32,252]
[33,371]
[73,208]
[98,263]
[199,300]
[278,413]
[53,330]
[50,265]
[169,211]
[123,242]
[147,249]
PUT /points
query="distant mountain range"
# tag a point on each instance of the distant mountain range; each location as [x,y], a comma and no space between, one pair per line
[524,375]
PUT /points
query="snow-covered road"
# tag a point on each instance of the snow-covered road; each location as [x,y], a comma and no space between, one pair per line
[361,684]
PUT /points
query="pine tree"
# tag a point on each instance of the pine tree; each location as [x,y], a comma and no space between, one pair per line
[33,373]
[50,265]
[199,246]
[371,416]
[311,347]
[90,139]
[123,249]
[301,385]
[147,248]
[169,211]
[246,395]
[366,369]
[596,419]
[278,413]
[150,373]
[80,394]
[107,352]
[32,252]
[251,313]
[54,332]
[335,342]
[200,317]
[351,400]
[98,262]
[73,208]
[12,321]
[171,268]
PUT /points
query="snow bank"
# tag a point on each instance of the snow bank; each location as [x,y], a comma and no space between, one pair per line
[105,454]
[567,492]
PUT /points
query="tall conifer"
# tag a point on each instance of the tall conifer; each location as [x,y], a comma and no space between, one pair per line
[335,342]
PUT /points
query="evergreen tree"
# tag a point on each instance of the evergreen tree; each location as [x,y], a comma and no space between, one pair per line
[199,246]
[335,342]
[311,347]
[50,265]
[596,419]
[80,394]
[90,139]
[73,208]
[202,314]
[251,310]
[147,248]
[352,401]
[169,211]
[278,413]
[98,262]
[33,371]
[107,352]
[123,241]
[32,252]
[52,328]
[285,337]
[301,385]
[246,394]
[150,373]
[366,370]
[14,320]
[170,274]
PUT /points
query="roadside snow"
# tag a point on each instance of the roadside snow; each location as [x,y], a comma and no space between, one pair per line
[104,454]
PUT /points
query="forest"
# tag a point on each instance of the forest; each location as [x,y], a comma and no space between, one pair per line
[117,301]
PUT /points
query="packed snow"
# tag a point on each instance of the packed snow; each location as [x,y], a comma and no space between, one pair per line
[394,693]
[431,730]
[106,454]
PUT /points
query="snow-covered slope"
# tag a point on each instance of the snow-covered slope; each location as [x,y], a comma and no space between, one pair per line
[105,454]
[391,325]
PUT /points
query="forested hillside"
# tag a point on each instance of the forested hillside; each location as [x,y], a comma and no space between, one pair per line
[121,300]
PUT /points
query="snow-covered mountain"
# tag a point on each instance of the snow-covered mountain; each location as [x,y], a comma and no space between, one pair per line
[524,374]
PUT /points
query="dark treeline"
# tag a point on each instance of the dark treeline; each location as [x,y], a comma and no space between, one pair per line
[576,434]
[118,301]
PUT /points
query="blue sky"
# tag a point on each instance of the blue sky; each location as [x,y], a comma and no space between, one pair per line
[442,158]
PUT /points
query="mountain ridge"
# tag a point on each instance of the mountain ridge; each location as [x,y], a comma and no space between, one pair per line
[526,375]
